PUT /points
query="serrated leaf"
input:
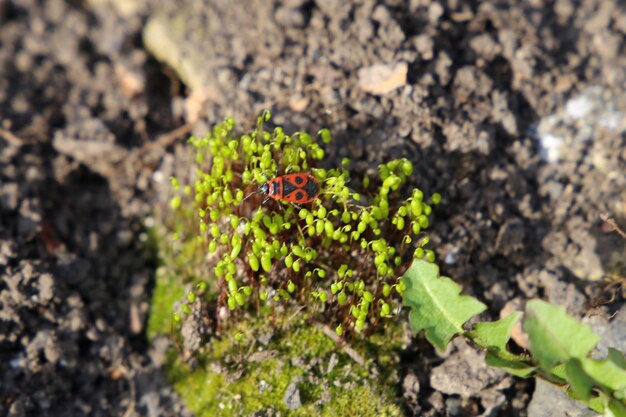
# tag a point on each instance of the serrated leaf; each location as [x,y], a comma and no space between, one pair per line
[494,334]
[554,336]
[557,373]
[617,408]
[516,365]
[578,379]
[436,306]
[606,372]
[617,357]
[599,403]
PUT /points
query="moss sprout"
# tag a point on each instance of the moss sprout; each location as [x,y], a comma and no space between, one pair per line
[340,257]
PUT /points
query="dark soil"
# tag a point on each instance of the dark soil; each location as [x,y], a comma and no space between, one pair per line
[514,111]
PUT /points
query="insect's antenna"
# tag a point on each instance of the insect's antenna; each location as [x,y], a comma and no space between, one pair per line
[250,195]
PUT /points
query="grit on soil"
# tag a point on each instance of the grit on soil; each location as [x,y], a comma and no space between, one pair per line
[514,111]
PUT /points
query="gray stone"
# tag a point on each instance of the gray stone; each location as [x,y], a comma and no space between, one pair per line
[292,397]
[549,401]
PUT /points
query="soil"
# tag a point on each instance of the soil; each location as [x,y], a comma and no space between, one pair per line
[514,111]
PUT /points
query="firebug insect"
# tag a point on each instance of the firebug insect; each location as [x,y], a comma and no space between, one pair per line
[293,188]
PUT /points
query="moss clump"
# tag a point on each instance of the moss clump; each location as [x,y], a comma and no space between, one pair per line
[237,375]
[263,272]
[340,256]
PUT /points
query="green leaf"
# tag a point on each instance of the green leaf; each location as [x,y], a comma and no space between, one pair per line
[599,404]
[556,374]
[579,381]
[494,334]
[608,374]
[617,408]
[617,357]
[435,303]
[605,405]
[554,336]
[516,365]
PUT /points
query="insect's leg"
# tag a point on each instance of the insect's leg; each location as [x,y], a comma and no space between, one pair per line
[297,222]
[249,195]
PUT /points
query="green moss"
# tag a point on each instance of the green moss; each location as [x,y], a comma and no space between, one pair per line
[261,385]
[167,292]
[351,403]
[199,389]
[234,378]
[307,342]
[305,256]
[279,268]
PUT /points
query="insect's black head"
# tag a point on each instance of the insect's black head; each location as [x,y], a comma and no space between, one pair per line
[264,188]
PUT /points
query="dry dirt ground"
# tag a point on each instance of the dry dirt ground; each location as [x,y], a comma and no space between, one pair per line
[514,111]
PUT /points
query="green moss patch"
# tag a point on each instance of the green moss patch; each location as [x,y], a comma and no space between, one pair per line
[238,375]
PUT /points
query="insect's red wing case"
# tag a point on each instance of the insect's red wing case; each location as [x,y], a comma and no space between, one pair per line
[294,188]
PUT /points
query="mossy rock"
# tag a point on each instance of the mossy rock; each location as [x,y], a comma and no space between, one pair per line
[287,367]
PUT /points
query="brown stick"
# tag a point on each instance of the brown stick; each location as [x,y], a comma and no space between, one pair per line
[611,222]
